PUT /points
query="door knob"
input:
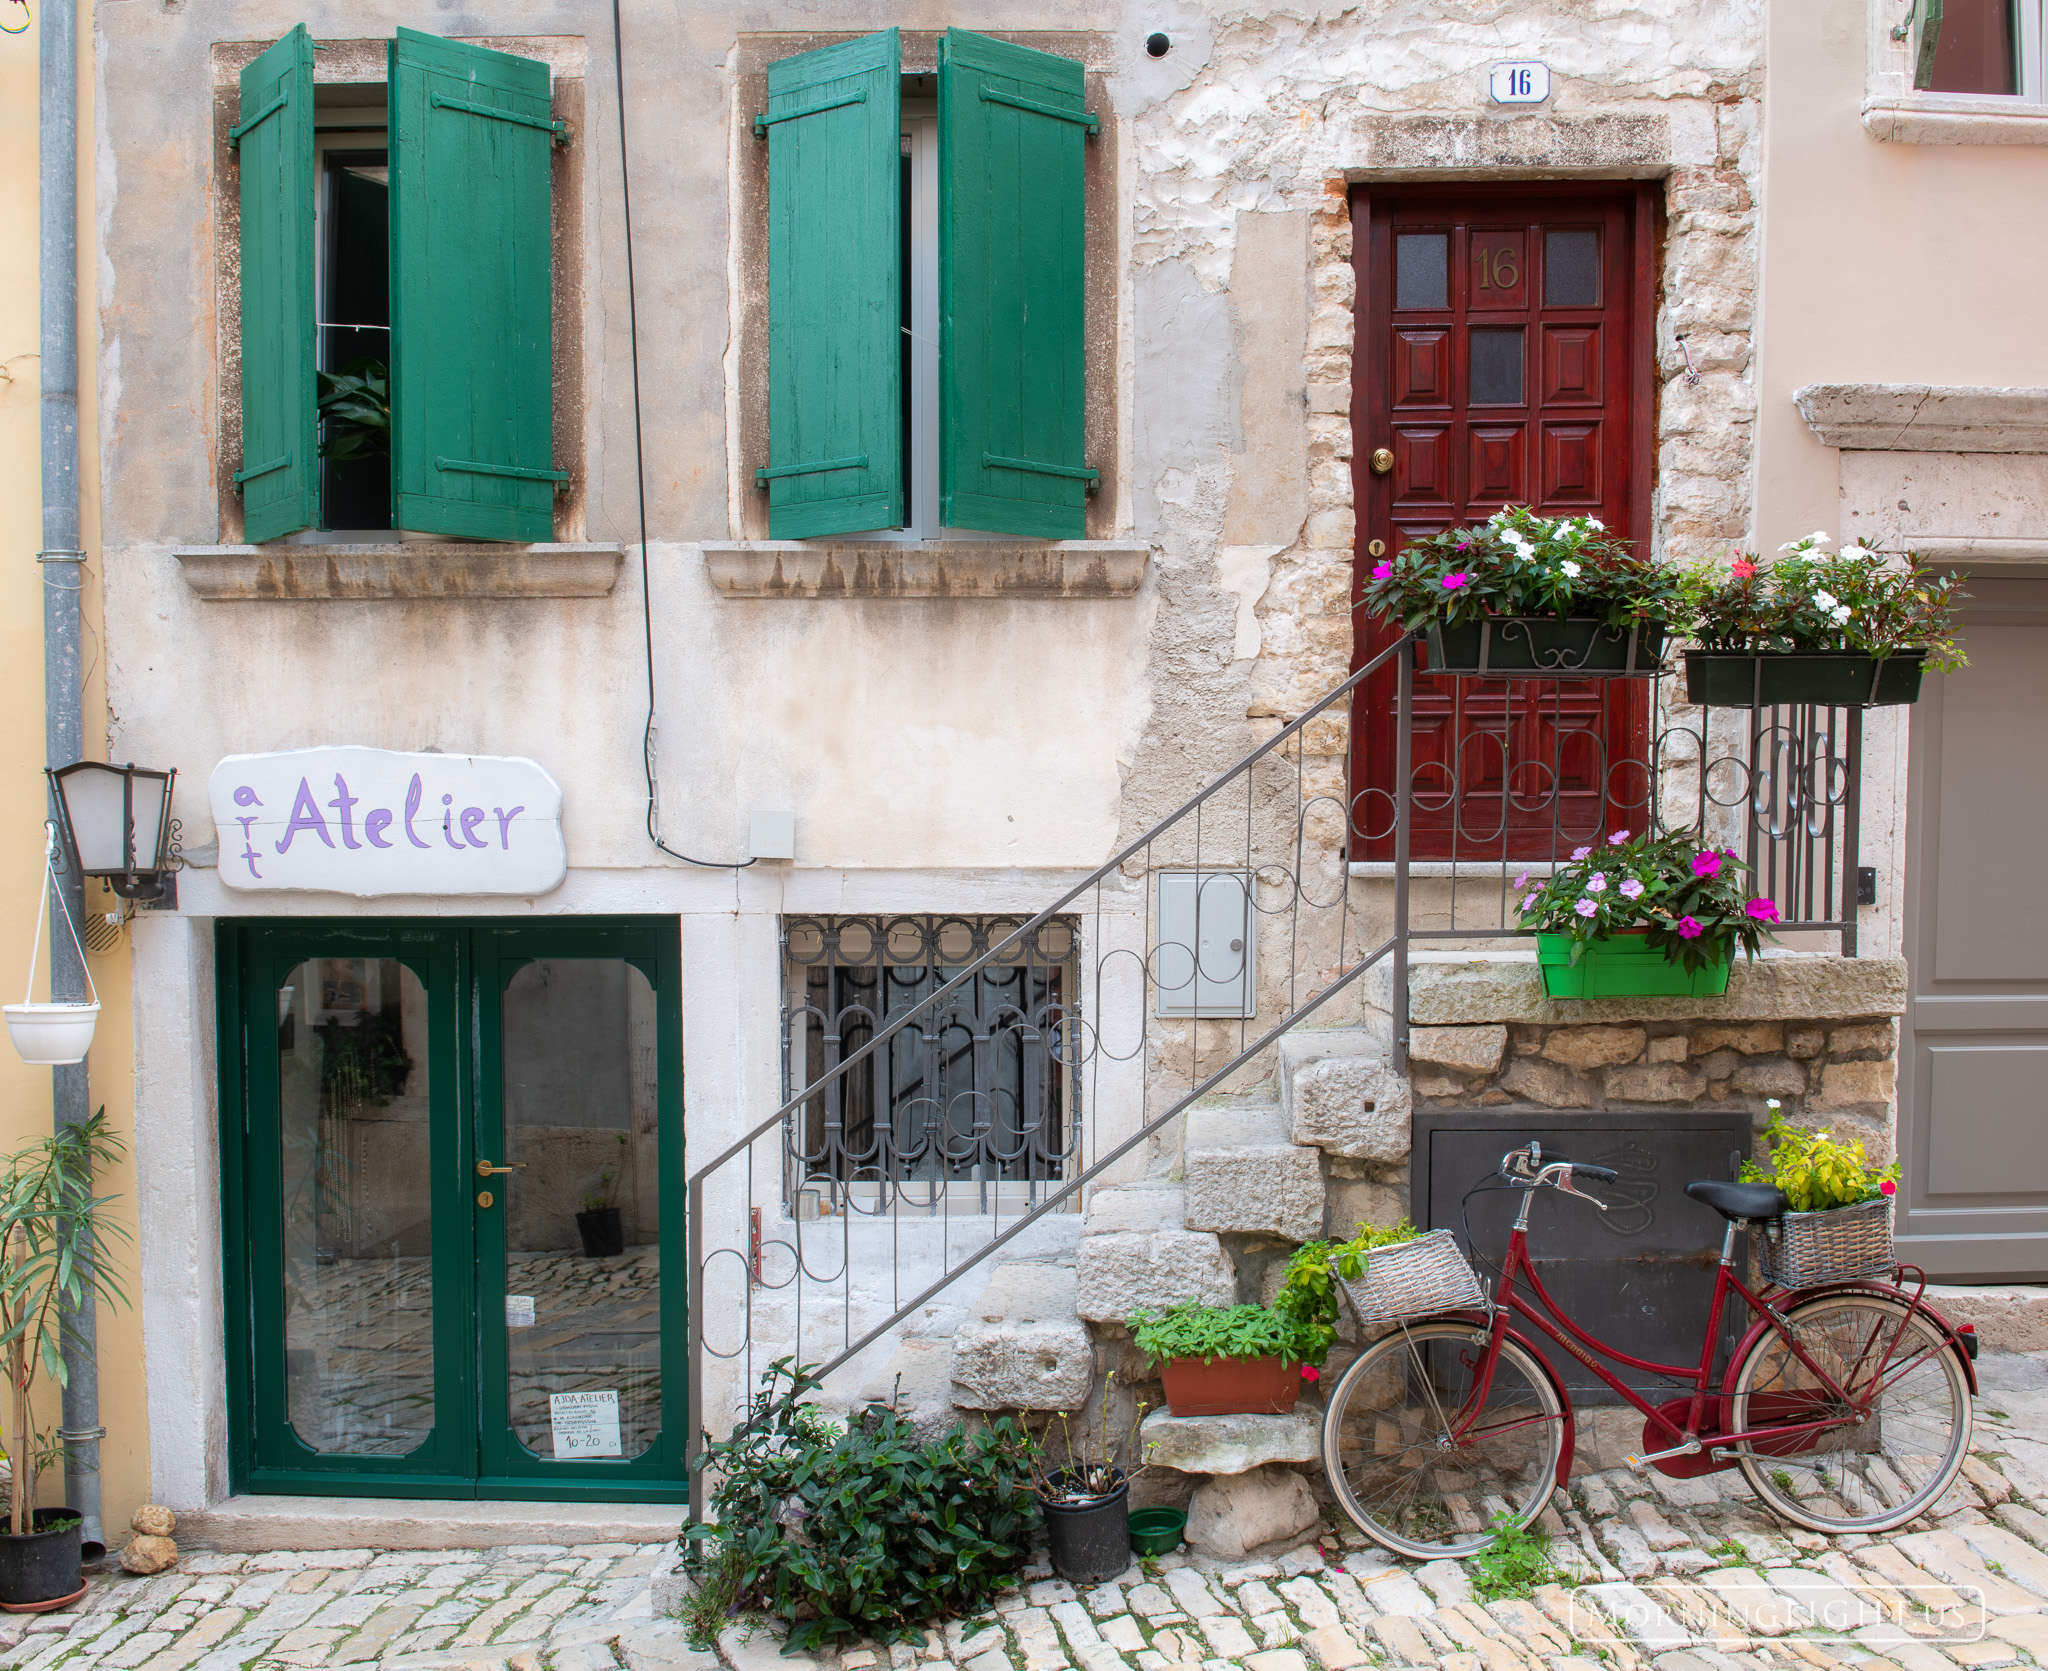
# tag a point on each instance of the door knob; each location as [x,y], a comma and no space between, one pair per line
[1382,461]
[484,1169]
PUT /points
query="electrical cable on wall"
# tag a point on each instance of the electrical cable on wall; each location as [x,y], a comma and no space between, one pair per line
[640,466]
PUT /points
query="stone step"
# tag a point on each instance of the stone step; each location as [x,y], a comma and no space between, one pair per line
[1242,1173]
[918,1384]
[1023,1345]
[1137,1254]
[1340,1093]
[2009,1317]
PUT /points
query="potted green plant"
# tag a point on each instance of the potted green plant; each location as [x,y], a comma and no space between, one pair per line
[599,1224]
[1522,593]
[1308,1288]
[1084,1493]
[1225,1360]
[1852,630]
[1638,916]
[54,1237]
[355,411]
[1839,1225]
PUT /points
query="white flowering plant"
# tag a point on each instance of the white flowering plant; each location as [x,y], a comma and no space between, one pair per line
[1861,599]
[1519,563]
[1687,898]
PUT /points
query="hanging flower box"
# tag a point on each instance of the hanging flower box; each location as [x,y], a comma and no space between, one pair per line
[1781,678]
[1623,965]
[1547,646]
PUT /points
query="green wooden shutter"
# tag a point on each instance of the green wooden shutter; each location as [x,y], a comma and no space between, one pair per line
[1012,127]
[273,134]
[835,288]
[472,344]
[1926,39]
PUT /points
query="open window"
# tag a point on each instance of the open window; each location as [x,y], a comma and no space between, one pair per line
[926,343]
[464,340]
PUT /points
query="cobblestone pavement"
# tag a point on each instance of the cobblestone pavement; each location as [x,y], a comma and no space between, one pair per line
[1672,1575]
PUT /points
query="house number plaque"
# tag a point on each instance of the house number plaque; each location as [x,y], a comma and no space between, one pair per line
[1525,82]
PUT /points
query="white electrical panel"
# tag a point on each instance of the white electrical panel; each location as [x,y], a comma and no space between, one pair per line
[1204,944]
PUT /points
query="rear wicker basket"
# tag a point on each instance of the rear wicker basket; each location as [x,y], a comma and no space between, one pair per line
[1412,1279]
[1804,1250]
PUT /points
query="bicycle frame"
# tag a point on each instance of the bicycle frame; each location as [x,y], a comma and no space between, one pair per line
[1552,1322]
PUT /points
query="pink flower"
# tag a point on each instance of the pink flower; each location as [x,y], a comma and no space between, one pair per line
[1706,864]
[1453,581]
[1586,908]
[1762,910]
[1887,1187]
[1632,889]
[1309,1372]
[1579,853]
[1689,928]
[1529,904]
[1742,568]
[1596,883]
[1522,881]
[1616,839]
[1384,572]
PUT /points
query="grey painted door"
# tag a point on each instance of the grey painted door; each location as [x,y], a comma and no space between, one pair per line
[1973,1056]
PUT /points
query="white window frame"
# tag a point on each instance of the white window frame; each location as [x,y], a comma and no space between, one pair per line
[1894,109]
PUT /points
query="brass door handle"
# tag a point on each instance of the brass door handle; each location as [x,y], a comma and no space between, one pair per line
[484,1169]
[1382,461]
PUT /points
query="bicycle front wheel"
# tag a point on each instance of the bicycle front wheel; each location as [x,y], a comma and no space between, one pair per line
[1859,1475]
[1425,1461]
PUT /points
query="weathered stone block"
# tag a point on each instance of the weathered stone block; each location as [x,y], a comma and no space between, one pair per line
[1856,1084]
[1770,1079]
[1356,1106]
[1594,1047]
[145,1554]
[1654,1082]
[1534,1080]
[1228,1444]
[1353,1204]
[1875,1036]
[1671,1047]
[1024,1347]
[1241,1174]
[1720,1064]
[1155,1204]
[1804,1043]
[1802,989]
[1462,1049]
[1438,1085]
[1124,1271]
[1755,1039]
[1237,1513]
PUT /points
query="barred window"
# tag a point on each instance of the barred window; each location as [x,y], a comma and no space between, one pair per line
[972,1105]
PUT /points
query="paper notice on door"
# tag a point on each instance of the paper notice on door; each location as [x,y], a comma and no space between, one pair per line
[518,1311]
[584,1423]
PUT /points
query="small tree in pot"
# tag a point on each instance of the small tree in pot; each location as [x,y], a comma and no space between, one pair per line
[53,1235]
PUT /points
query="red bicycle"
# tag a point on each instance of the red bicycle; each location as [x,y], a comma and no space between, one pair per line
[1847,1407]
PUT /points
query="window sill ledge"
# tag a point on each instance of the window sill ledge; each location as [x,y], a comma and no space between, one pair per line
[349,573]
[1956,119]
[874,569]
[1925,417]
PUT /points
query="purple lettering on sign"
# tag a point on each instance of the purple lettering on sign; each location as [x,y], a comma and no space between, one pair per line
[375,824]
[305,816]
[505,825]
[448,823]
[246,796]
[414,794]
[344,803]
[471,817]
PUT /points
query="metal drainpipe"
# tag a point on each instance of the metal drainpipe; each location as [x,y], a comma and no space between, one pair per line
[62,565]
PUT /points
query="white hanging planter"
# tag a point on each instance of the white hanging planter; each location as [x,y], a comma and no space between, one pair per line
[54,1034]
[51,1035]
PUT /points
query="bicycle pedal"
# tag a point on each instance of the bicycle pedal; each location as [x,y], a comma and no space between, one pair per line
[1638,1464]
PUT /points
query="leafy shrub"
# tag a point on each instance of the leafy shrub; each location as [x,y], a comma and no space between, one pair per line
[1817,1171]
[1519,563]
[355,410]
[1687,897]
[1308,1293]
[1513,1564]
[1209,1332]
[856,1531]
[1808,600]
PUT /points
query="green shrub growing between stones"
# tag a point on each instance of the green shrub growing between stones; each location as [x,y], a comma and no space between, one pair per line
[1513,1564]
[855,1531]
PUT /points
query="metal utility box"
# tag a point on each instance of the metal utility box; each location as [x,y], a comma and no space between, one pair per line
[1204,957]
[1640,1275]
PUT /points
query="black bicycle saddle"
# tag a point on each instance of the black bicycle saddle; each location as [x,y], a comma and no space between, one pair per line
[1742,1202]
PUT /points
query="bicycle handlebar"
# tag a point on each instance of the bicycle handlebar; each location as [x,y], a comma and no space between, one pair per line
[1529,1164]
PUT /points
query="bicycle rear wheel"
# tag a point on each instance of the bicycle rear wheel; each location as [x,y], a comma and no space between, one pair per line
[1866,1476]
[1391,1456]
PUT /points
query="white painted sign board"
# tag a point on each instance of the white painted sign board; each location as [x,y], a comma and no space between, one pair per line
[1525,82]
[585,1423]
[368,821]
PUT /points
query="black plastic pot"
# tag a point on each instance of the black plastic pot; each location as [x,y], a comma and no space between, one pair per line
[602,1233]
[1091,1539]
[1542,646]
[1826,678]
[42,1565]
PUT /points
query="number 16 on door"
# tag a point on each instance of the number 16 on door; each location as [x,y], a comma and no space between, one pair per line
[1521,83]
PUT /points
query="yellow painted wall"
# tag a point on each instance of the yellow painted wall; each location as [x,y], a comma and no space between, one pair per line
[25,1091]
[1882,262]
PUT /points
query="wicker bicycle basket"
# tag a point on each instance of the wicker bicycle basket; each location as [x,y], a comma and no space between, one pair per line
[1412,1279]
[1803,1250]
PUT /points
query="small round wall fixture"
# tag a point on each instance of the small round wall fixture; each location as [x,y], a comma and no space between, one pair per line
[1158,45]
[117,824]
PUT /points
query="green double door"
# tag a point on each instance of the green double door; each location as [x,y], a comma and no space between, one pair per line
[452,1182]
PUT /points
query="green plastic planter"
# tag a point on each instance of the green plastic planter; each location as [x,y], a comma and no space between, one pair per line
[1157,1531]
[1621,966]
[1826,678]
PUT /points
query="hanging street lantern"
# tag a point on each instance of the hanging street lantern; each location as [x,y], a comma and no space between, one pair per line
[117,824]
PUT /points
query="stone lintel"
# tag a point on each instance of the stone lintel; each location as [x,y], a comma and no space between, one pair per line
[1926,417]
[1463,994]
[1228,1444]
[874,569]
[351,573]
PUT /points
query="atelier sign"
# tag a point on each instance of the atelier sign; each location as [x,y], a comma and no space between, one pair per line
[1524,82]
[368,821]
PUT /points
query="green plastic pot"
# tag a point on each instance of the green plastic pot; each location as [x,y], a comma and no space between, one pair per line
[1157,1531]
[1623,965]
[1826,678]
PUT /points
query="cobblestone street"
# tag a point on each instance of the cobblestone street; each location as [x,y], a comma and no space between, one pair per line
[1679,1575]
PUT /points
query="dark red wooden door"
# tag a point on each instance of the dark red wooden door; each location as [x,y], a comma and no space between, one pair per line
[1502,358]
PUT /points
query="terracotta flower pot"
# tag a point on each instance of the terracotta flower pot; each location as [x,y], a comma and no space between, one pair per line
[1231,1386]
